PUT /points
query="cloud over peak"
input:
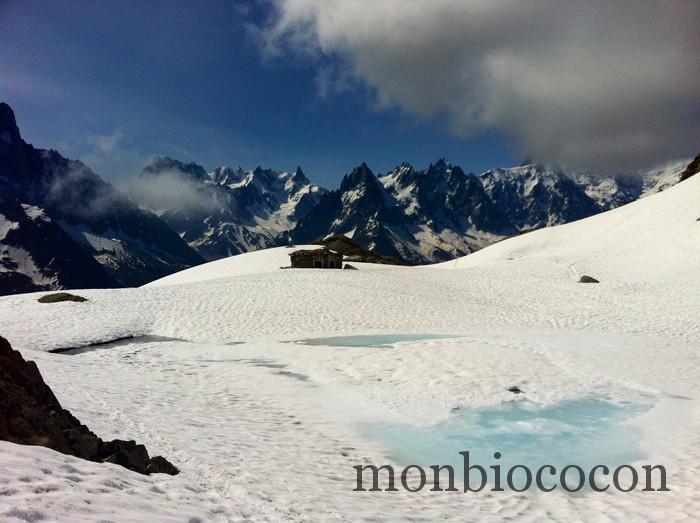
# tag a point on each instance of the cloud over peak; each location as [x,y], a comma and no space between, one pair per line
[591,84]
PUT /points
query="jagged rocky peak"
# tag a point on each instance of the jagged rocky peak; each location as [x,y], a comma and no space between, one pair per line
[299,176]
[227,175]
[444,169]
[400,176]
[166,165]
[261,171]
[295,180]
[441,166]
[9,132]
[361,175]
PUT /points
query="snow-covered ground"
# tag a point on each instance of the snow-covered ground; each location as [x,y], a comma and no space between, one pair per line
[265,429]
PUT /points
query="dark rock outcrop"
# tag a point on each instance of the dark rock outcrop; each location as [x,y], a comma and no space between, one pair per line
[693,168]
[60,296]
[30,414]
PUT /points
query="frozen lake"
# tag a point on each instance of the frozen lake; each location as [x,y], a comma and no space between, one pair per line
[585,432]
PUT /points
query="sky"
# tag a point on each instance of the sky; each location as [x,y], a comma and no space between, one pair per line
[329,84]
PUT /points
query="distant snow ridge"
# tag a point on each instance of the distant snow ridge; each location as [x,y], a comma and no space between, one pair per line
[612,191]
[420,216]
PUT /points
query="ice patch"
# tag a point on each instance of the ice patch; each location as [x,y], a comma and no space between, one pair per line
[375,340]
[585,432]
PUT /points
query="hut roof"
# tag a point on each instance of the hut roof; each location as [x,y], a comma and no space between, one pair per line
[304,252]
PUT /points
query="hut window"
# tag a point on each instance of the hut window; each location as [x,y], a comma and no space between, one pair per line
[318,264]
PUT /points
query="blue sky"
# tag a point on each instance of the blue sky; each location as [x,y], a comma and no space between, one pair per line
[328,84]
[113,83]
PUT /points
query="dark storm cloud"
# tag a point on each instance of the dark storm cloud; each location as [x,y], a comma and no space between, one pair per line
[594,84]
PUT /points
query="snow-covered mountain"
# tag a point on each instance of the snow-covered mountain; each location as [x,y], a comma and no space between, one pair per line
[614,190]
[535,196]
[227,211]
[62,226]
[36,254]
[443,212]
[362,209]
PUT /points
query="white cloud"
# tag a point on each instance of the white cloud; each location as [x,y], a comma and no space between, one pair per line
[169,190]
[595,84]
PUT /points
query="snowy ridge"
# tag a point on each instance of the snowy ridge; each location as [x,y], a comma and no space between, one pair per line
[642,241]
[256,262]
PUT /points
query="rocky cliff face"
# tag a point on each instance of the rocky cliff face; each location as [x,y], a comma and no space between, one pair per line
[30,414]
[56,214]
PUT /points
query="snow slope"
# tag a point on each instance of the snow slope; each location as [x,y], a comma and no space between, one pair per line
[654,239]
[255,262]
[264,429]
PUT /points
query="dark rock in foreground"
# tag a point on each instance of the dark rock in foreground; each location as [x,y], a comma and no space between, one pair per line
[30,414]
[60,296]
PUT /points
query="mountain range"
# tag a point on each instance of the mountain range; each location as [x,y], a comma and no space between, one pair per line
[62,226]
[418,216]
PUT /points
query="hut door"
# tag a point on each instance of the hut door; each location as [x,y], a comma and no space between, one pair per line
[318,264]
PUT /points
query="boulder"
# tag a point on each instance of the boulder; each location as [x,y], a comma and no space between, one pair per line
[60,296]
[587,279]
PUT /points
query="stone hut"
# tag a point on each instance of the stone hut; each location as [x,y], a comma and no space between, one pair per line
[316,259]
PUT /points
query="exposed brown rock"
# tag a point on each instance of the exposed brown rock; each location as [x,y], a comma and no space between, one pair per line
[587,279]
[30,414]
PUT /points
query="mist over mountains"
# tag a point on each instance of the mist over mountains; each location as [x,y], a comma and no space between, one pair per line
[62,226]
